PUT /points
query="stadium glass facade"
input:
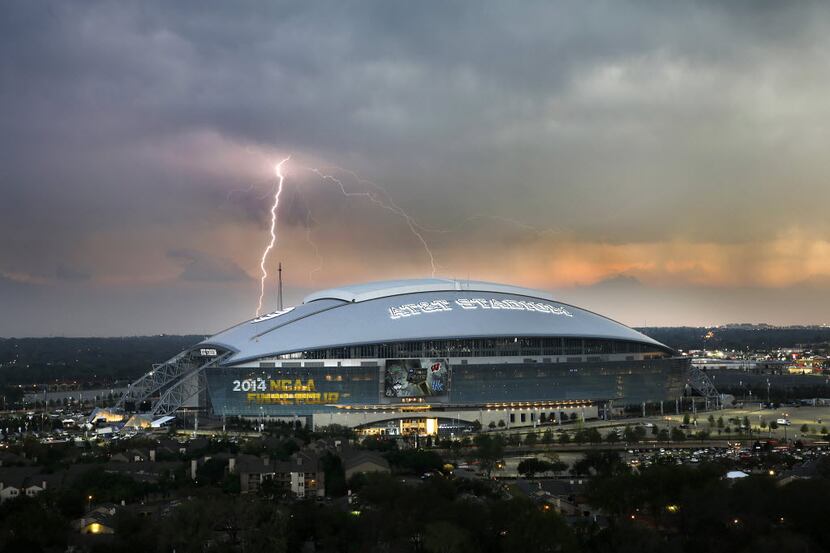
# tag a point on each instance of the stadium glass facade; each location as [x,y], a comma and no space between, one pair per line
[473,373]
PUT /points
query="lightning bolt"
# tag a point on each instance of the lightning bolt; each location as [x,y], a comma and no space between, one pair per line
[388,205]
[309,221]
[461,224]
[273,241]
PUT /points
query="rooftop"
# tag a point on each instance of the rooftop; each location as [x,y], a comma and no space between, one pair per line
[384,289]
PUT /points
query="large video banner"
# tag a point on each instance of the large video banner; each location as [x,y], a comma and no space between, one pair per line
[416,378]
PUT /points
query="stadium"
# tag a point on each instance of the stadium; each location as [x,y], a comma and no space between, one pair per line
[423,356]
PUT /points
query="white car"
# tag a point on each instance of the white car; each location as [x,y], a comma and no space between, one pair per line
[783,422]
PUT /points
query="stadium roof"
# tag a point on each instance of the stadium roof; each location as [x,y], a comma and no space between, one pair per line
[402,310]
[387,288]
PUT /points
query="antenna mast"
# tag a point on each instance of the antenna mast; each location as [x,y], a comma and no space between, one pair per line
[279,291]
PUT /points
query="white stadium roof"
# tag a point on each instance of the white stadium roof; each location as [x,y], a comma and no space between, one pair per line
[402,310]
[388,288]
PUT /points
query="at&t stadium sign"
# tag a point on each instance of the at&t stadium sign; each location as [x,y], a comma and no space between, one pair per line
[471,304]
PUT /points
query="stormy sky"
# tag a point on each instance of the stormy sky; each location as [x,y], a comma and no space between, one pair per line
[662,163]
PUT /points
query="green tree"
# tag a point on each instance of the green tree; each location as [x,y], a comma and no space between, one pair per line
[593,436]
[564,438]
[532,466]
[547,436]
[489,450]
[555,464]
[677,435]
[531,438]
[335,476]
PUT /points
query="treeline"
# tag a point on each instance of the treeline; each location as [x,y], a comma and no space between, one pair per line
[687,337]
[86,360]
[661,508]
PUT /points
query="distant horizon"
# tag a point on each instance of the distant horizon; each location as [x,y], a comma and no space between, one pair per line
[208,334]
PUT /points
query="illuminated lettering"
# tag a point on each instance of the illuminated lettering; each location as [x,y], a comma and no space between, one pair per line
[291,385]
[288,398]
[472,304]
[397,313]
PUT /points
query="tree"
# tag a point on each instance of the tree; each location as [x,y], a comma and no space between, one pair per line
[677,435]
[492,425]
[532,466]
[416,461]
[489,450]
[773,425]
[612,437]
[633,434]
[804,428]
[547,436]
[686,418]
[564,438]
[335,476]
[593,436]
[663,435]
[573,417]
[720,422]
[531,438]
[556,464]
[501,423]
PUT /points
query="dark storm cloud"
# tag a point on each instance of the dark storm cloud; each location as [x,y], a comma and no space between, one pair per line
[669,141]
[204,267]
